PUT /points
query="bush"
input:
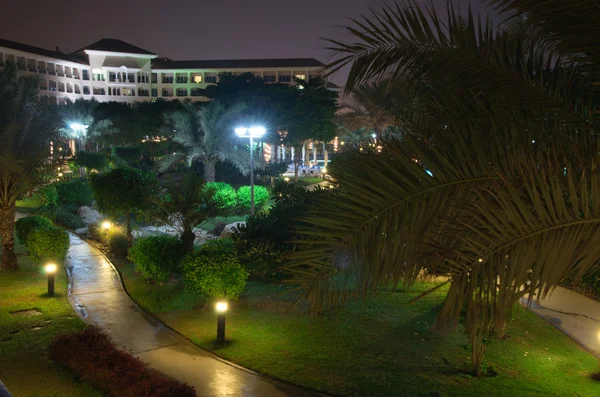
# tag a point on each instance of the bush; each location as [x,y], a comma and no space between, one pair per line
[225,194]
[156,257]
[65,215]
[48,196]
[92,356]
[75,192]
[91,160]
[48,243]
[25,226]
[116,239]
[261,258]
[261,196]
[218,245]
[216,275]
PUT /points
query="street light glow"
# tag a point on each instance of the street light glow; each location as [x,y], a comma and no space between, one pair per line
[50,268]
[78,127]
[106,225]
[252,132]
[221,307]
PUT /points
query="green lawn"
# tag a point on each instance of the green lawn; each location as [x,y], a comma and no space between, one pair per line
[379,347]
[25,366]
[308,180]
[29,203]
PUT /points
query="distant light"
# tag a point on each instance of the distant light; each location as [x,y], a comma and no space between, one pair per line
[257,131]
[221,306]
[533,141]
[373,135]
[323,170]
[60,174]
[241,131]
[429,172]
[343,143]
[480,260]
[50,268]
[286,179]
[78,127]
[106,225]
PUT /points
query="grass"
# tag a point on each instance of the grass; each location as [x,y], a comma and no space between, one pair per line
[29,203]
[382,346]
[309,180]
[25,366]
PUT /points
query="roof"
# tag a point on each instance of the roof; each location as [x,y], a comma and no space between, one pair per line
[39,51]
[115,45]
[237,63]
[333,86]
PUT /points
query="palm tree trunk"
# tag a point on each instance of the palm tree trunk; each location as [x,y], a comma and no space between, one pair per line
[129,235]
[209,170]
[7,234]
[187,237]
[297,159]
[325,155]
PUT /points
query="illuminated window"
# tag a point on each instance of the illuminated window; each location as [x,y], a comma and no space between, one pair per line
[301,76]
[197,79]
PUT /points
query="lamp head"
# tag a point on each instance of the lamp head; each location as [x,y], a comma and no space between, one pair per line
[106,225]
[323,170]
[78,127]
[50,268]
[252,132]
[221,307]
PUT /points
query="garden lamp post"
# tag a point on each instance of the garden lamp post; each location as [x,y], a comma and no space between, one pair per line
[50,271]
[251,132]
[221,308]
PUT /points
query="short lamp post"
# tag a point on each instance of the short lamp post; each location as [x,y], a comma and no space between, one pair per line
[251,132]
[324,172]
[221,308]
[50,271]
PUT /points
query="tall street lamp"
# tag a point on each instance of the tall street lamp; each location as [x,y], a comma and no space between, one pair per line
[251,132]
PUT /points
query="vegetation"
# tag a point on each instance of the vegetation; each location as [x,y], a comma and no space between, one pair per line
[224,195]
[91,160]
[25,365]
[215,274]
[48,243]
[183,205]
[27,126]
[93,356]
[122,192]
[48,196]
[494,182]
[261,196]
[74,192]
[24,226]
[156,257]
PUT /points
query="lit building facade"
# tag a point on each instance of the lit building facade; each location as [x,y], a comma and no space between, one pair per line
[113,70]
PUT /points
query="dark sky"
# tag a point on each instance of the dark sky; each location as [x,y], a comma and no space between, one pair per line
[190,29]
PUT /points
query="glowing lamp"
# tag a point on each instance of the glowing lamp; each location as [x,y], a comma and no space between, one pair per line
[286,179]
[50,268]
[251,132]
[221,307]
[106,225]
[50,271]
[77,127]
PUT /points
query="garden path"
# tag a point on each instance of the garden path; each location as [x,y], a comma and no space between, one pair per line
[97,294]
[574,314]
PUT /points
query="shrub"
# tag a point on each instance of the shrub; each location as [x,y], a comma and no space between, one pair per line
[218,245]
[216,275]
[91,160]
[225,194]
[25,226]
[95,231]
[75,192]
[48,243]
[48,196]
[261,258]
[92,356]
[156,257]
[117,242]
[67,217]
[261,196]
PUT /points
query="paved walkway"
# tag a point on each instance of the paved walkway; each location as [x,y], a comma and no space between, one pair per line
[576,315]
[97,294]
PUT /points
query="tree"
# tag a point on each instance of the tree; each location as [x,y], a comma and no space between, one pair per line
[122,192]
[28,125]
[312,116]
[184,204]
[206,135]
[496,182]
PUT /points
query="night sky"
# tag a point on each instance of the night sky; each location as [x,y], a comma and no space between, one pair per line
[190,29]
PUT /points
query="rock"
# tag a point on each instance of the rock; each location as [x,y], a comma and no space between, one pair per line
[82,231]
[90,216]
[230,229]
[219,227]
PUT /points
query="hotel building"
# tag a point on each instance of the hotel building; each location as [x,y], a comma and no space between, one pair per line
[113,70]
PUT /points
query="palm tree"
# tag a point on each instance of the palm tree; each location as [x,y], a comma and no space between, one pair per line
[370,108]
[206,134]
[184,204]
[495,184]
[27,128]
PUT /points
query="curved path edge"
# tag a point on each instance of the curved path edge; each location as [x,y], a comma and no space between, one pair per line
[98,295]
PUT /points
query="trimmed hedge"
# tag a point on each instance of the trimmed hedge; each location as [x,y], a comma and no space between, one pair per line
[24,226]
[156,257]
[48,196]
[91,160]
[93,356]
[261,196]
[225,194]
[48,243]
[76,192]
[214,274]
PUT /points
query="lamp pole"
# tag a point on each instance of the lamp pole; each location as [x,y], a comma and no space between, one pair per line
[221,308]
[50,270]
[252,132]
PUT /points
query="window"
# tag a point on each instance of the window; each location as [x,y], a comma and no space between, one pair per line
[269,79]
[154,92]
[198,79]
[315,76]
[181,92]
[85,75]
[211,79]
[86,90]
[301,76]
[167,80]
[154,78]
[182,80]
[196,92]
[99,91]
[285,78]
[166,92]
